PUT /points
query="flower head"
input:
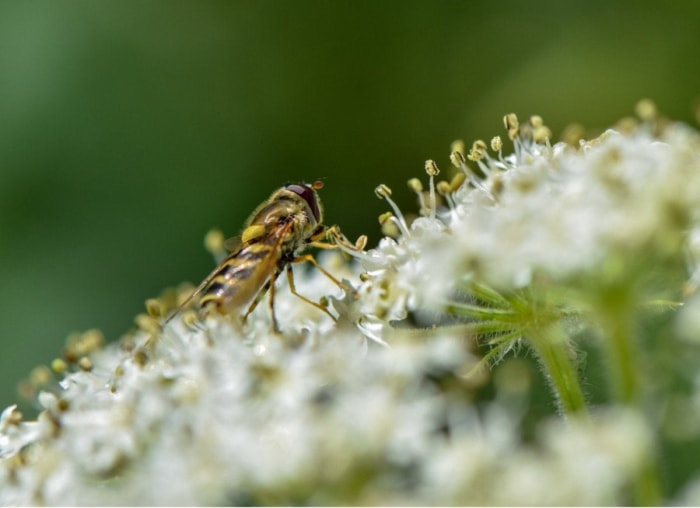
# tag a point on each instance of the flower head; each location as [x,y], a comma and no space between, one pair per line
[510,250]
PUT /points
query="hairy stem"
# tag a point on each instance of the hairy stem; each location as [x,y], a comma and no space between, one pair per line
[622,349]
[552,346]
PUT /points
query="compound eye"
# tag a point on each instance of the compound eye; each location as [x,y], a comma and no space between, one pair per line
[309,196]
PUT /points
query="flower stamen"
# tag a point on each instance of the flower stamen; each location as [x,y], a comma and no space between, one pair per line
[432,170]
[384,192]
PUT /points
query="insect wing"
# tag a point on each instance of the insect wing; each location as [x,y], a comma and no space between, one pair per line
[244,274]
[194,293]
[232,244]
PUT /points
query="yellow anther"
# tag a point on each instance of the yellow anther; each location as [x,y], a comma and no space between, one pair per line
[512,125]
[154,308]
[59,366]
[140,357]
[83,343]
[431,168]
[457,159]
[85,364]
[388,221]
[361,242]
[214,241]
[63,405]
[573,133]
[646,110]
[14,418]
[382,191]
[626,125]
[40,376]
[496,143]
[190,319]
[478,151]
[457,146]
[415,185]
[26,390]
[390,229]
[147,323]
[443,188]
[541,134]
[511,121]
[536,121]
[457,181]
[386,216]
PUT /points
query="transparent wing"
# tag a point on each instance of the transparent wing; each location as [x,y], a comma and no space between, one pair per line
[233,243]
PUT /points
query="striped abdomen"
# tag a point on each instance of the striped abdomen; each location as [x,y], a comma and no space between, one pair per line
[242,276]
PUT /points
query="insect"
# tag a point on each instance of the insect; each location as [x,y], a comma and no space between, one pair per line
[272,240]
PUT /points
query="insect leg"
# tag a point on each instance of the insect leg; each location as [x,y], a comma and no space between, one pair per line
[309,258]
[293,290]
[339,241]
[269,285]
[275,326]
[256,301]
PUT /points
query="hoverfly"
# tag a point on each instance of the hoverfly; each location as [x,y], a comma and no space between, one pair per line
[272,240]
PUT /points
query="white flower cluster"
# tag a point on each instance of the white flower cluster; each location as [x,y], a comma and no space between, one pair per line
[317,415]
[547,211]
[214,418]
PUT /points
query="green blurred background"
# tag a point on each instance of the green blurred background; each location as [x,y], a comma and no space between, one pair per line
[128,129]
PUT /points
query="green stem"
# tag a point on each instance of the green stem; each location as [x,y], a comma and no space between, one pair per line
[647,487]
[621,358]
[552,346]
[620,346]
[479,312]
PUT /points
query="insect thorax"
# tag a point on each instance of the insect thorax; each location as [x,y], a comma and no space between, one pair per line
[289,216]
